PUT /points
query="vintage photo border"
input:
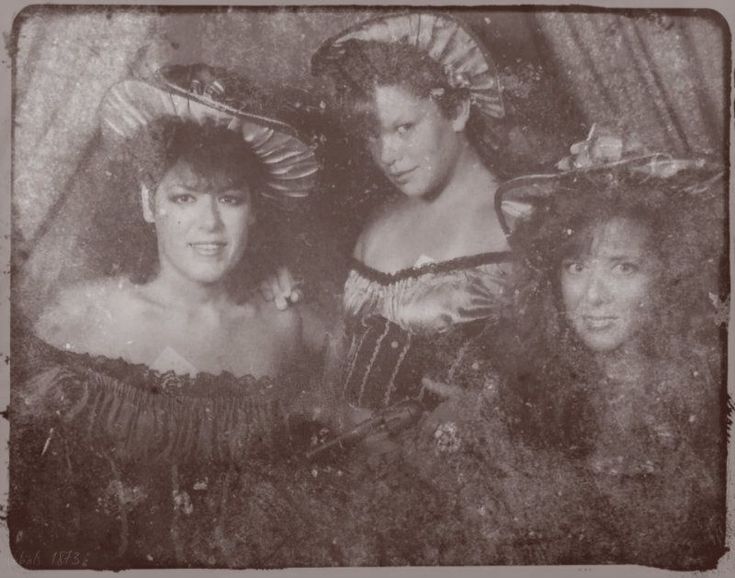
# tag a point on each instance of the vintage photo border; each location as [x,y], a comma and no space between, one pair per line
[8,567]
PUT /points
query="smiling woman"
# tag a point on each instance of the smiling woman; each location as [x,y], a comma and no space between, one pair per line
[137,389]
[187,308]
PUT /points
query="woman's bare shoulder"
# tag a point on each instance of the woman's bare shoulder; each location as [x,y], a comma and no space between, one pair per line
[481,229]
[381,224]
[81,310]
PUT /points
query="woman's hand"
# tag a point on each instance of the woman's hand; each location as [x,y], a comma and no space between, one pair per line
[443,390]
[281,288]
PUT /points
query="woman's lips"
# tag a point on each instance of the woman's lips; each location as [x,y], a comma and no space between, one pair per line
[401,176]
[599,322]
[208,249]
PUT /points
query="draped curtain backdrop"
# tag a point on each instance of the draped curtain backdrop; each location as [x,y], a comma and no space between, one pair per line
[662,76]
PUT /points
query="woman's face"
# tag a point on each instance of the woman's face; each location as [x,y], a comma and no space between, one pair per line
[414,144]
[202,223]
[606,290]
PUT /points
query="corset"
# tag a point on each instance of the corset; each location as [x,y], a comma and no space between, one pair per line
[404,325]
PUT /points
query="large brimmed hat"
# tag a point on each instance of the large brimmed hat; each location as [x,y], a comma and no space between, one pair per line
[444,39]
[207,94]
[594,164]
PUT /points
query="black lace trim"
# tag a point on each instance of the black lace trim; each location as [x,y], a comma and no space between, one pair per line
[143,377]
[465,262]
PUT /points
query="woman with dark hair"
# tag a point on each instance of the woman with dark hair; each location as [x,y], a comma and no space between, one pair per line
[150,413]
[624,370]
[420,94]
[603,438]
[620,262]
[186,307]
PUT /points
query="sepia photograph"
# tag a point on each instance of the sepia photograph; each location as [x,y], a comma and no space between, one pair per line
[368,286]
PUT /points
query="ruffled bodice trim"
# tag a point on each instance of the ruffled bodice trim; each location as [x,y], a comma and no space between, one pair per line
[432,297]
[458,263]
[142,413]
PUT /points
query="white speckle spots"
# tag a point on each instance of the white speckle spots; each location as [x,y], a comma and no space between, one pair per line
[447,438]
[394,344]
[48,441]
[475,366]
[314,473]
[201,485]
[182,502]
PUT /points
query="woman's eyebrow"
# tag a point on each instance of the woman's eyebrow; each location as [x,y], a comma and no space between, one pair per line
[406,118]
[624,257]
[189,187]
[207,189]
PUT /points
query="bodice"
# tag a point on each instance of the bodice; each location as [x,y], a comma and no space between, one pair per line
[402,326]
[431,297]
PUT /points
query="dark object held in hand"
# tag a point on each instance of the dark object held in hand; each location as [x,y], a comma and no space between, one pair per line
[391,420]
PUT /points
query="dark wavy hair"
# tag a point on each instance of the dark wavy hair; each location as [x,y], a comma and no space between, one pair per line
[547,400]
[124,244]
[368,65]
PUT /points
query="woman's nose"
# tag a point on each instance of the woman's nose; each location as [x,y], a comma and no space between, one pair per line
[597,290]
[389,150]
[209,215]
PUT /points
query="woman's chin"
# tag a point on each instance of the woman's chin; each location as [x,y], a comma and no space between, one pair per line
[207,275]
[602,342]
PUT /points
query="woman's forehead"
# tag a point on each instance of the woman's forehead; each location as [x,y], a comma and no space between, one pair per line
[393,104]
[614,236]
[206,177]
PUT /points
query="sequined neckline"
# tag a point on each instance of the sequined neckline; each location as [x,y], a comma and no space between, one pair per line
[465,262]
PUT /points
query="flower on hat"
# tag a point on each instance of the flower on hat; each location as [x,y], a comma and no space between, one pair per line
[596,150]
[455,78]
[602,157]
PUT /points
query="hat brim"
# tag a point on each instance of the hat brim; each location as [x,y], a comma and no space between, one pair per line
[518,198]
[444,38]
[290,164]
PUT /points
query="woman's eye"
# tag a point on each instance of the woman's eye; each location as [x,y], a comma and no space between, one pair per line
[234,200]
[405,128]
[626,268]
[574,267]
[183,199]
